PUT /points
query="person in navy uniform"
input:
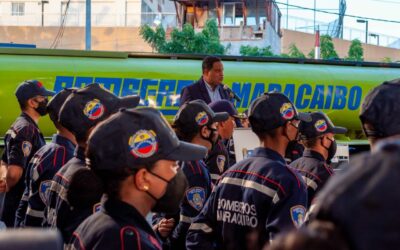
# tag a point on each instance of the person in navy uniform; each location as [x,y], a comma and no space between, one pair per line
[72,197]
[209,88]
[195,122]
[47,161]
[21,142]
[362,200]
[217,159]
[260,196]
[138,165]
[318,138]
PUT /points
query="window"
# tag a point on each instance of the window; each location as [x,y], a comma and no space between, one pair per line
[17,9]
[233,14]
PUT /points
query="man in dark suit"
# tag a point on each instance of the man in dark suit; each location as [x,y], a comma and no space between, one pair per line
[209,88]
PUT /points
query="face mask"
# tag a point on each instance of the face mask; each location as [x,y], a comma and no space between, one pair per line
[296,138]
[331,151]
[42,107]
[170,201]
[212,138]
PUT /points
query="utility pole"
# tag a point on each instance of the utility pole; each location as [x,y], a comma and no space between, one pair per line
[43,2]
[366,28]
[88,27]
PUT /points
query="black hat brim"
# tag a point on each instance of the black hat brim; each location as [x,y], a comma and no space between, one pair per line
[220,117]
[305,117]
[47,93]
[339,130]
[129,101]
[187,152]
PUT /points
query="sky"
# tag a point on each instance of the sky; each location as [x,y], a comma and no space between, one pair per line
[382,9]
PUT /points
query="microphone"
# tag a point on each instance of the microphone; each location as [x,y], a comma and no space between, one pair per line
[231,93]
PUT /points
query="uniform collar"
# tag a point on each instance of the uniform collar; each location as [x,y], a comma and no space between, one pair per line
[79,153]
[61,140]
[268,153]
[313,154]
[128,214]
[29,119]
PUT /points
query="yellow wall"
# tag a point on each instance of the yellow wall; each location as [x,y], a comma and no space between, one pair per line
[305,42]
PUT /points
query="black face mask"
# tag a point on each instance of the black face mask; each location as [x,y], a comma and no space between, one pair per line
[331,151]
[296,138]
[211,138]
[42,107]
[170,201]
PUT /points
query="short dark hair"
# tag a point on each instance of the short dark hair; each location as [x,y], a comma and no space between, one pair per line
[209,61]
[186,135]
[23,104]
[310,142]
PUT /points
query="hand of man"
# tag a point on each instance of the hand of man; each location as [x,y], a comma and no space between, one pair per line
[165,227]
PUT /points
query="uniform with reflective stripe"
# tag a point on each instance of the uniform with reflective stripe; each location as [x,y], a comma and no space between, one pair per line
[253,199]
[117,226]
[58,212]
[21,142]
[217,161]
[197,193]
[44,165]
[314,170]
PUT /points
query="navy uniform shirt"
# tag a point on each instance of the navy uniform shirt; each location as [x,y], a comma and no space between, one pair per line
[253,201]
[21,142]
[117,226]
[196,195]
[363,200]
[44,165]
[58,211]
[293,151]
[314,170]
[217,161]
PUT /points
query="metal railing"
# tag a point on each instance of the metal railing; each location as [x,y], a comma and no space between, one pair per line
[167,20]
[307,25]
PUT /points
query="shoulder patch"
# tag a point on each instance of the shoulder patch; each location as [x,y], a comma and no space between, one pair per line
[26,148]
[221,163]
[196,197]
[298,213]
[44,189]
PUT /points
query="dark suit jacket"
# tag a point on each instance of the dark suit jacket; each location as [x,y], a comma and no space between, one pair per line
[198,90]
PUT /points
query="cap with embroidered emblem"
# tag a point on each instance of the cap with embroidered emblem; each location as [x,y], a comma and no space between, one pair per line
[136,137]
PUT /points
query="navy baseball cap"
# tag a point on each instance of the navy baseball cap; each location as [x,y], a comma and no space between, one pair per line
[57,101]
[272,110]
[381,108]
[136,137]
[31,88]
[88,106]
[195,114]
[224,106]
[320,124]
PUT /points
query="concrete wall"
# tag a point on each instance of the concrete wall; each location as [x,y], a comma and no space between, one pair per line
[103,38]
[305,42]
[105,13]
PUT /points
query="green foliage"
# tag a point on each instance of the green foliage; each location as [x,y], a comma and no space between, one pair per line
[356,51]
[294,52]
[185,41]
[327,48]
[311,54]
[387,60]
[247,50]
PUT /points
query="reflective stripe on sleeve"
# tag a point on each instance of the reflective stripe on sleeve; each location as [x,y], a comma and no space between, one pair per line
[201,226]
